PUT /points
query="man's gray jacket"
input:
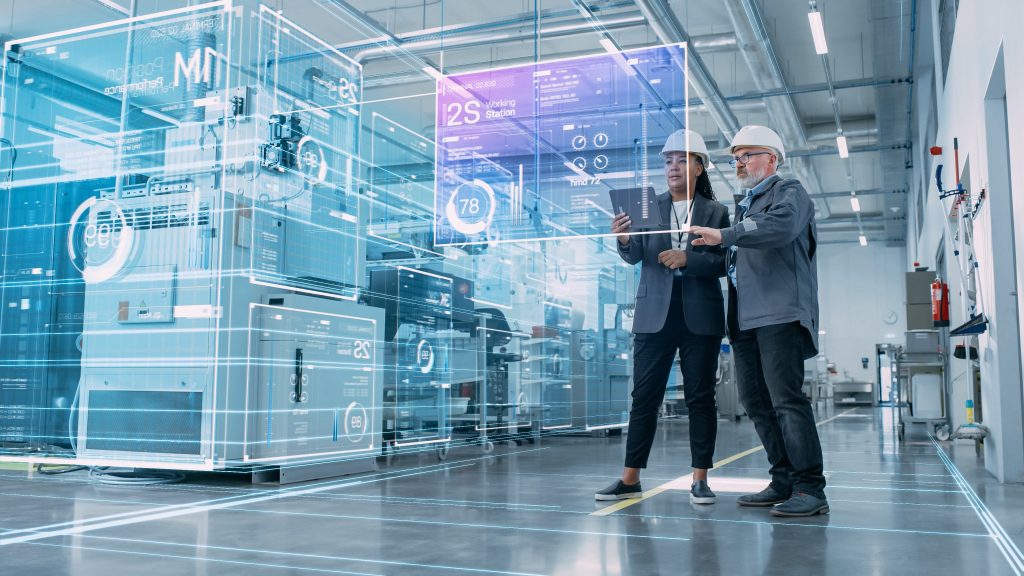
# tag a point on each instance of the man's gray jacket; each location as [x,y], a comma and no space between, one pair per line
[776,264]
[703,308]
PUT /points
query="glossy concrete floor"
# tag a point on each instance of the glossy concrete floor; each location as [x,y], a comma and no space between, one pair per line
[915,508]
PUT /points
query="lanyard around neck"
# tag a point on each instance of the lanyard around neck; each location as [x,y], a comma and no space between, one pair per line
[680,235]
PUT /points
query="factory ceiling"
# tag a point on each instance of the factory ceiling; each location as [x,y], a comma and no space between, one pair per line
[751,62]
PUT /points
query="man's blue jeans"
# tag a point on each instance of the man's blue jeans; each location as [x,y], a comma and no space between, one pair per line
[770,374]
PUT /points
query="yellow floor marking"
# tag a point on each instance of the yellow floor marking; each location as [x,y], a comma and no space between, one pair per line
[683,482]
[13,466]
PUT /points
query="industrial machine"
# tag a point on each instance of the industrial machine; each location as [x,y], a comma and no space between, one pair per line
[186,242]
[600,361]
[499,405]
[584,376]
[422,310]
[213,280]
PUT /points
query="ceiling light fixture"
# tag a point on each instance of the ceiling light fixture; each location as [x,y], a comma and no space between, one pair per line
[844,150]
[863,240]
[855,203]
[817,30]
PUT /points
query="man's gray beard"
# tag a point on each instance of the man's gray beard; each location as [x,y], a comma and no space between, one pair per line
[753,178]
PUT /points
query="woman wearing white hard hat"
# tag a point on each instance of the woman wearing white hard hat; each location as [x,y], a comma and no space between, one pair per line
[679,310]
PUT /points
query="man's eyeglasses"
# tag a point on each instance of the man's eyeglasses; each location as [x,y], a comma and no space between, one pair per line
[744,159]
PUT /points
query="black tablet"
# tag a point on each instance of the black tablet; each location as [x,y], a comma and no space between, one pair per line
[640,204]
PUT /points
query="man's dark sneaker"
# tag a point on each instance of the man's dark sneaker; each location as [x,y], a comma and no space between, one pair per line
[700,493]
[767,497]
[801,504]
[619,491]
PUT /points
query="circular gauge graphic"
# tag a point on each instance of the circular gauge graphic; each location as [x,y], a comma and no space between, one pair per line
[310,158]
[580,162]
[100,240]
[601,162]
[425,356]
[579,142]
[356,422]
[600,140]
[471,207]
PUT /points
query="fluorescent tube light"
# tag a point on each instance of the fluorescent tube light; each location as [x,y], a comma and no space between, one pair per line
[818,31]
[609,45]
[844,150]
[863,240]
[855,203]
[433,73]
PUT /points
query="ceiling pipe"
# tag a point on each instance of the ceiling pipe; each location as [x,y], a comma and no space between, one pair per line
[697,106]
[611,44]
[851,227]
[859,149]
[711,43]
[873,82]
[453,40]
[528,19]
[856,138]
[666,26]
[669,30]
[431,39]
[846,193]
[866,217]
[757,52]
[376,28]
[385,39]
[865,128]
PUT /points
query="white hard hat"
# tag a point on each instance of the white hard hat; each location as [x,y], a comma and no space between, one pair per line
[686,141]
[763,136]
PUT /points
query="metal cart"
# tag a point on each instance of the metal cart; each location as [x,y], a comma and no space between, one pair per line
[920,392]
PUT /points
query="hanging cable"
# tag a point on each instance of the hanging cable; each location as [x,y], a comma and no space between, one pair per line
[53,470]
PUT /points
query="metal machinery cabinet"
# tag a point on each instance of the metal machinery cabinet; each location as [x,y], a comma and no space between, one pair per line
[853,392]
[214,254]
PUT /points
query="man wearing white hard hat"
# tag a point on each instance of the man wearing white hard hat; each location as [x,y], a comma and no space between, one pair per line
[679,310]
[773,319]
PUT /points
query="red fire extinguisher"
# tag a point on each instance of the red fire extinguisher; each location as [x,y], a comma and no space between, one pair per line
[940,304]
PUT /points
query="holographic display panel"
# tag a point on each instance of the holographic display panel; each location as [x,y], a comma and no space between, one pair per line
[530,152]
[175,172]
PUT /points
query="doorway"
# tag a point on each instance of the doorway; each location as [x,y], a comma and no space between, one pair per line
[1003,389]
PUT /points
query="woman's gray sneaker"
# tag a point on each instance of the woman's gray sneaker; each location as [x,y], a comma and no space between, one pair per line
[700,493]
[619,491]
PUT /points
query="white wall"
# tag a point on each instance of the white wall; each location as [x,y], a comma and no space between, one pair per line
[860,288]
[983,31]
